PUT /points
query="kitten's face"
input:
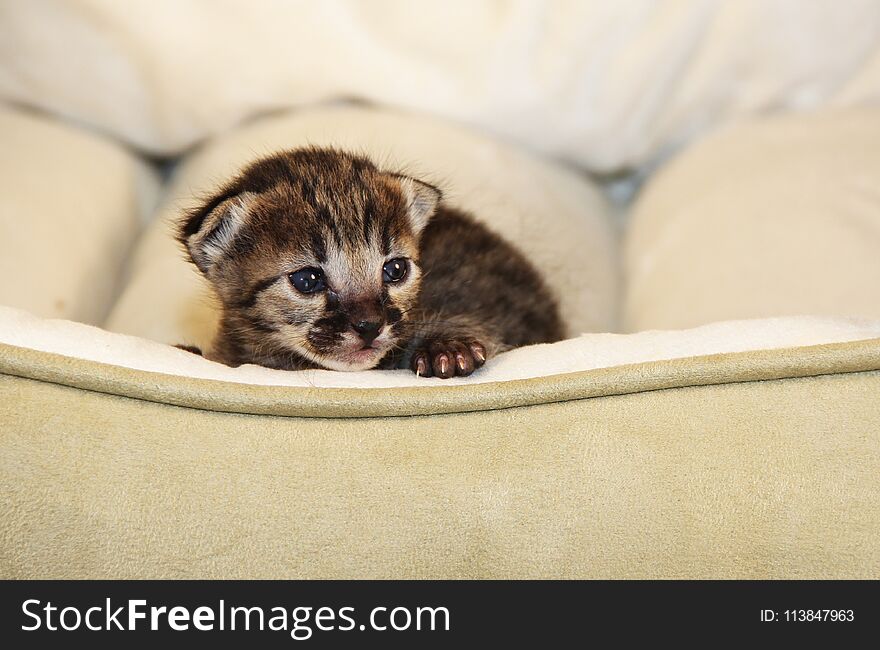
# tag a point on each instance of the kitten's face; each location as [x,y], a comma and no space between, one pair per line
[314,253]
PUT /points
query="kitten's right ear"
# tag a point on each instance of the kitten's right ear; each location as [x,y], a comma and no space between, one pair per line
[208,231]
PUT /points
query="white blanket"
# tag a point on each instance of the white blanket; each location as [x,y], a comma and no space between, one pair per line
[609,85]
[586,352]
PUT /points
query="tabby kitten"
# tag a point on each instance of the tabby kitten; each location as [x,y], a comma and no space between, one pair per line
[322,260]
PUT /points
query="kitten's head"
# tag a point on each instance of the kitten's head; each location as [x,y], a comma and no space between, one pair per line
[314,253]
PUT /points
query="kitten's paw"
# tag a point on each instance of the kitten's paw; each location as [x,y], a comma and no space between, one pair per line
[447,359]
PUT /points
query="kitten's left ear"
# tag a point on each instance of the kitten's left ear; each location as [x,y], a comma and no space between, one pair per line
[422,200]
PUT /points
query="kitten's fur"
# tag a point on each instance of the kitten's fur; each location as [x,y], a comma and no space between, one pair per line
[466,295]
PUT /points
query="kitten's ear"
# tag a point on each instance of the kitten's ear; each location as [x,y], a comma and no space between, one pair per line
[422,200]
[208,231]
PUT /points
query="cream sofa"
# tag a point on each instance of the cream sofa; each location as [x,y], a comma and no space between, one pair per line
[714,412]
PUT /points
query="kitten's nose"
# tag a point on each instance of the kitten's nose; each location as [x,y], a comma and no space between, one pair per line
[367,330]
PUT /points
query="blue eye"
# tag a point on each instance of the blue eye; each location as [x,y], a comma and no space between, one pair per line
[395,270]
[308,280]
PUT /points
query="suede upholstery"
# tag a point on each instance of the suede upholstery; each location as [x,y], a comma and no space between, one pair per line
[749,465]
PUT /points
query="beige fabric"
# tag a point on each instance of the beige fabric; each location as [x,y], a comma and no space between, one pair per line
[71,206]
[757,465]
[775,217]
[606,84]
[557,218]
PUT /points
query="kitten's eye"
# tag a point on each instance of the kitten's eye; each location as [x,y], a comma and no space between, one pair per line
[394,270]
[308,280]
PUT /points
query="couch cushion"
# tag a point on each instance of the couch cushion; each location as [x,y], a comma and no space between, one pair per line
[71,205]
[774,217]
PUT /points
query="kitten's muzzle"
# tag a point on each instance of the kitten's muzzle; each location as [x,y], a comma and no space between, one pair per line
[365,317]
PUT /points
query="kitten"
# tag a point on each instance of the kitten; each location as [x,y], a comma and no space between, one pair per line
[321,260]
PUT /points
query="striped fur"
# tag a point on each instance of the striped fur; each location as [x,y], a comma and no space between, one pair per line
[466,294]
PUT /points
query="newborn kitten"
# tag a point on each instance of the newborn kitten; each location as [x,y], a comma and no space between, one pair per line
[320,259]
